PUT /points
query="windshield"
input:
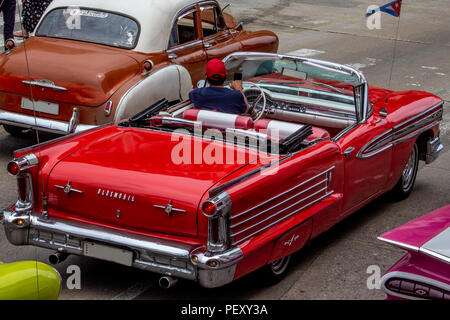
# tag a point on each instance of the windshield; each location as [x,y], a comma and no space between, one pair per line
[90,26]
[296,77]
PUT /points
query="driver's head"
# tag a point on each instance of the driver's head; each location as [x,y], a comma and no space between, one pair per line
[216,72]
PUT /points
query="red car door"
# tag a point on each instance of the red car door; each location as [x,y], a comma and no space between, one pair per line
[366,167]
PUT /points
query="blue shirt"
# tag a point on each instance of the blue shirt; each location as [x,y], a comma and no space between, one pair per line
[218,98]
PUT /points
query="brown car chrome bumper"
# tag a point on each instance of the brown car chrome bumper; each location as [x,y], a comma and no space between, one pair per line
[152,254]
[42,124]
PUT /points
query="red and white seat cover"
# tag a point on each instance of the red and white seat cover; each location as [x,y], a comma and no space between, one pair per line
[283,129]
[219,119]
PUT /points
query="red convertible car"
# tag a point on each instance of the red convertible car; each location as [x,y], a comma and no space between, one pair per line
[210,196]
[91,62]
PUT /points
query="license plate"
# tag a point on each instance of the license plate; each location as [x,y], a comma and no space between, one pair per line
[100,251]
[40,106]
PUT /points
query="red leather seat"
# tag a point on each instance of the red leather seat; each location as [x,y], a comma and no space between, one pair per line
[219,119]
[283,129]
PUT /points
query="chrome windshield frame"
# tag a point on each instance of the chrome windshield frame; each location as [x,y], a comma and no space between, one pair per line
[336,67]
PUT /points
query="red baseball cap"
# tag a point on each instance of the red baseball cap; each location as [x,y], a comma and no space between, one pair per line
[215,69]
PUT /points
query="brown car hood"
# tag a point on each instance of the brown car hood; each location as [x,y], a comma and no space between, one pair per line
[91,73]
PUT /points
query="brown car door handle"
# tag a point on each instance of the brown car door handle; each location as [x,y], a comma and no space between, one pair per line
[208,45]
[172,56]
[348,152]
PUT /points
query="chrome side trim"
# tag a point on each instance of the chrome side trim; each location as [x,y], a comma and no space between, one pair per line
[284,218]
[399,244]
[419,115]
[283,193]
[282,202]
[185,46]
[280,211]
[394,136]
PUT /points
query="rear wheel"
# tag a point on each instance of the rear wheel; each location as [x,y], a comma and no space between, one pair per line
[405,184]
[15,131]
[275,272]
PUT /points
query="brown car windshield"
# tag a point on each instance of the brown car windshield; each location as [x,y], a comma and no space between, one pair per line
[90,26]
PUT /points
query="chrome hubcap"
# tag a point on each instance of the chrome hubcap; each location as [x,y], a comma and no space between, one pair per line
[408,172]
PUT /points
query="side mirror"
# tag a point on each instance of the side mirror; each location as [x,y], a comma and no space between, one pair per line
[383,112]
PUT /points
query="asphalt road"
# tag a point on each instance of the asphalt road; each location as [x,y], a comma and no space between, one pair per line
[406,54]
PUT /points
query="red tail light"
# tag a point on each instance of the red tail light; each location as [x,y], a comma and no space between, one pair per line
[209,208]
[108,108]
[13,168]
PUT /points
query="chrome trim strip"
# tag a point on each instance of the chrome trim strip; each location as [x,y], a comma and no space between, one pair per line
[278,212]
[413,277]
[399,244]
[184,46]
[419,115]
[283,193]
[396,137]
[43,124]
[435,255]
[280,203]
[44,84]
[283,218]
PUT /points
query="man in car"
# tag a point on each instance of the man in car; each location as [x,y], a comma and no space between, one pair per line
[216,97]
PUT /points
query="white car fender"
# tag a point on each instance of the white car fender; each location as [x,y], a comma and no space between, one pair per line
[172,83]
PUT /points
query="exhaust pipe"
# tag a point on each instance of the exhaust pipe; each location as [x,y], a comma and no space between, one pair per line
[57,257]
[167,282]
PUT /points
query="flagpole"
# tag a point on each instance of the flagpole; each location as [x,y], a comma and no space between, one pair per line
[395,51]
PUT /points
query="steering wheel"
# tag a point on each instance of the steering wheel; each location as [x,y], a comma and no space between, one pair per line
[256,115]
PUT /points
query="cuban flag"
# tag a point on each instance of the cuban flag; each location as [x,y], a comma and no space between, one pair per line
[393,8]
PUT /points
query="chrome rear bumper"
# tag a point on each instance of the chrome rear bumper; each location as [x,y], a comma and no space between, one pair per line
[152,254]
[43,124]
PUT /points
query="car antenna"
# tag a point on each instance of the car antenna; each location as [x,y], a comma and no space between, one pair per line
[27,62]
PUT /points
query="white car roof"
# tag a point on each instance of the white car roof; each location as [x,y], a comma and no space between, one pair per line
[154,16]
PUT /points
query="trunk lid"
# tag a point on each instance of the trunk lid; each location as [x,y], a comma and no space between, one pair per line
[91,73]
[128,177]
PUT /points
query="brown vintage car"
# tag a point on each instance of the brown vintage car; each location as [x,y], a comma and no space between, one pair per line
[91,62]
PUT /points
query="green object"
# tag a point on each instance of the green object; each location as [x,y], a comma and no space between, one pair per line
[29,280]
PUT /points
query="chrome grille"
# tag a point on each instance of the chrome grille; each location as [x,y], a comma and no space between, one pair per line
[254,220]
